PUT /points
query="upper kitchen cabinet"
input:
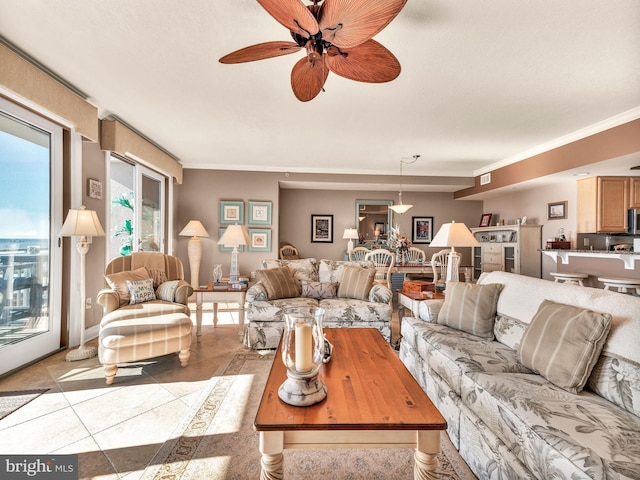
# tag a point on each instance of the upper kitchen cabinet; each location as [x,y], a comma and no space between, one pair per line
[634,200]
[602,204]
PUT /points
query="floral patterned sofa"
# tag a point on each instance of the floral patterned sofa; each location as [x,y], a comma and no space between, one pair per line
[501,389]
[317,283]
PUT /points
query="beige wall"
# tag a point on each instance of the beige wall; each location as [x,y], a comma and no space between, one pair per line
[199,196]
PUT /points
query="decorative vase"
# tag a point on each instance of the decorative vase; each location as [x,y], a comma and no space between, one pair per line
[303,351]
[217,273]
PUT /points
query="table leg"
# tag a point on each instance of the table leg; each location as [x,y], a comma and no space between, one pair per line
[241,320]
[271,448]
[199,298]
[426,455]
[215,314]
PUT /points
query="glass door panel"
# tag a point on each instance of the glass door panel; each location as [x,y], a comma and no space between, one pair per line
[29,310]
[151,212]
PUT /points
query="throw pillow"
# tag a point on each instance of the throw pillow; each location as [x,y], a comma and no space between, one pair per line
[167,290]
[319,290]
[140,291]
[356,282]
[470,307]
[279,282]
[563,343]
[118,282]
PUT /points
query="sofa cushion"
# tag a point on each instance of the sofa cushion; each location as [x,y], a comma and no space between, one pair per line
[167,290]
[118,281]
[356,283]
[618,381]
[279,282]
[332,270]
[470,308]
[451,353]
[509,330]
[556,434]
[303,268]
[319,290]
[141,291]
[563,343]
[142,310]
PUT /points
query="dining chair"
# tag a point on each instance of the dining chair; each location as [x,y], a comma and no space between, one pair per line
[440,261]
[358,253]
[415,255]
[384,261]
[288,252]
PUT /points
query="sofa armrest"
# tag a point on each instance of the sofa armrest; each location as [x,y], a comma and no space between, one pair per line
[183,292]
[109,299]
[380,294]
[256,293]
[428,310]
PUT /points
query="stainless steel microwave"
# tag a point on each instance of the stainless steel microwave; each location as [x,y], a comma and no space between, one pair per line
[634,221]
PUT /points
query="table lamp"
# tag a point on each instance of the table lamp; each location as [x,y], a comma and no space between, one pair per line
[194,229]
[350,233]
[234,236]
[82,223]
[453,235]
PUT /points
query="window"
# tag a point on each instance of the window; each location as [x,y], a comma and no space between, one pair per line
[137,209]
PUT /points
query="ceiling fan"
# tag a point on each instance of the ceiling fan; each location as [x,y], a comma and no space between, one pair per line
[337,36]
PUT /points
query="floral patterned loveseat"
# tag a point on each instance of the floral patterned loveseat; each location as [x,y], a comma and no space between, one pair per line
[265,316]
[507,420]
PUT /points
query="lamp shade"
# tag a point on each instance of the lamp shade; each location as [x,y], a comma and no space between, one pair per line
[233,236]
[350,233]
[194,229]
[81,223]
[454,235]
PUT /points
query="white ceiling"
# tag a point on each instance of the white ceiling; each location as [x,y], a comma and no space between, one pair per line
[482,81]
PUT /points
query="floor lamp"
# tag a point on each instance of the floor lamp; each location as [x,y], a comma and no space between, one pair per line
[234,236]
[82,223]
[194,229]
[453,235]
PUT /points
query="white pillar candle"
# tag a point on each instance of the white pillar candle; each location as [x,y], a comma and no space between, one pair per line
[304,344]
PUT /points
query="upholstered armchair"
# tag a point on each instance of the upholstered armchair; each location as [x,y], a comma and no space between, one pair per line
[146,312]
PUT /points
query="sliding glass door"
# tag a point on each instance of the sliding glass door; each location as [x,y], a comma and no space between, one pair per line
[30,211]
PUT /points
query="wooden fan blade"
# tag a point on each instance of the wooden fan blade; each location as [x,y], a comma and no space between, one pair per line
[292,14]
[260,51]
[368,62]
[307,78]
[347,23]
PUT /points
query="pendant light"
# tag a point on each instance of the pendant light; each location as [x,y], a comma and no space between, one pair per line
[401,207]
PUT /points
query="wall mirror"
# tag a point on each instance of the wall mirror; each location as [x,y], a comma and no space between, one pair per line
[373,220]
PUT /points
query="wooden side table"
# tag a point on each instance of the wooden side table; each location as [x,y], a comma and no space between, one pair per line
[230,295]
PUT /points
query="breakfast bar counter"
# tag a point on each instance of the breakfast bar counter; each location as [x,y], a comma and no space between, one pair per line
[629,258]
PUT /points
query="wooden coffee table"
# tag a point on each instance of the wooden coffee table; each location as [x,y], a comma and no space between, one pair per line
[372,402]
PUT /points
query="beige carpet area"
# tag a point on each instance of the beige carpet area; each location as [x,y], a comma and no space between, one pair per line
[216,439]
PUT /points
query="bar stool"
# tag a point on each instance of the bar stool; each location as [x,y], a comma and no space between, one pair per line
[622,284]
[573,277]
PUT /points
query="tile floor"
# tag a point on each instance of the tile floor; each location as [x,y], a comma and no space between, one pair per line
[116,430]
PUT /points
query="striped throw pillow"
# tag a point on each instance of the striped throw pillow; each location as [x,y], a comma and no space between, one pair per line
[356,282]
[563,343]
[279,283]
[470,307]
[167,290]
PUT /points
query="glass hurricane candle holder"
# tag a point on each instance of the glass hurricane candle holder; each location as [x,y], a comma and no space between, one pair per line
[217,273]
[303,351]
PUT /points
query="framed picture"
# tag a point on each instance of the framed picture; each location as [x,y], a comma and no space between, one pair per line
[421,229]
[94,189]
[557,210]
[260,240]
[485,220]
[380,228]
[231,212]
[259,213]
[322,228]
[222,248]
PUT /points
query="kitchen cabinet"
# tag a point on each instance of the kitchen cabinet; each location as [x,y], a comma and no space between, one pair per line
[602,204]
[508,248]
[634,192]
